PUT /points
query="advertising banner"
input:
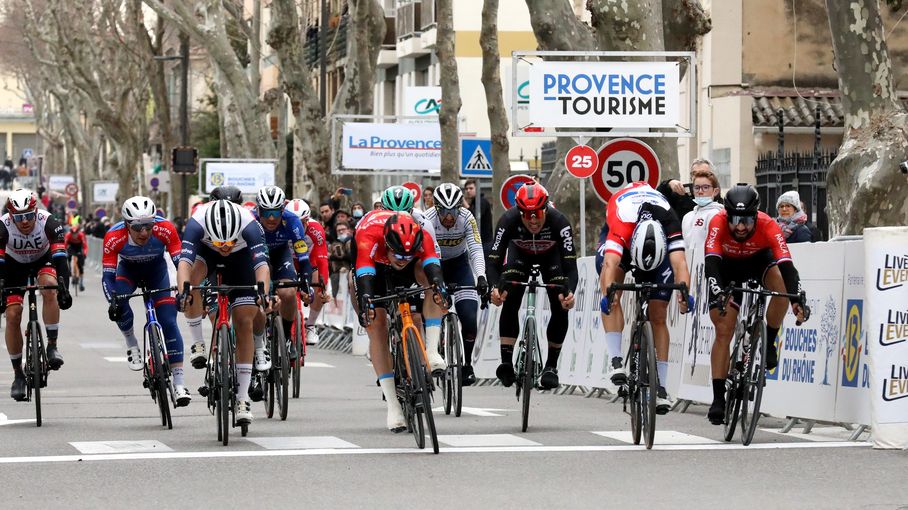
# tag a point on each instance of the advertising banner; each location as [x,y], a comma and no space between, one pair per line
[248,176]
[696,377]
[408,147]
[104,192]
[852,404]
[59,182]
[605,94]
[422,102]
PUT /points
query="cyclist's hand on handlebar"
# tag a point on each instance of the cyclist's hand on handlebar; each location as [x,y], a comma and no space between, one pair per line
[686,302]
[440,296]
[801,312]
[64,299]
[366,310]
[567,302]
[113,311]
[482,286]
[605,305]
[498,296]
[184,298]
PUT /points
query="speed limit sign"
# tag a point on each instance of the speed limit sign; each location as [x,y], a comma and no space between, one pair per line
[621,162]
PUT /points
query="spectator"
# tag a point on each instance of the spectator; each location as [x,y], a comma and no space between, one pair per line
[376,206]
[6,176]
[358,211]
[342,216]
[101,229]
[485,227]
[678,197]
[695,224]
[815,234]
[428,201]
[792,219]
[339,259]
[327,212]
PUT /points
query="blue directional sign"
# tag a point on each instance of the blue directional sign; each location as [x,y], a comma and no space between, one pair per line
[475,157]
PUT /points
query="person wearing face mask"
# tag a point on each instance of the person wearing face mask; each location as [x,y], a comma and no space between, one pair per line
[791,218]
[357,212]
[694,225]
[339,258]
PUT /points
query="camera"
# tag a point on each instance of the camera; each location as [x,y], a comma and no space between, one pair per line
[904,167]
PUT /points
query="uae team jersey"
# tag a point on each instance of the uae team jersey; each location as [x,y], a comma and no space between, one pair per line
[46,236]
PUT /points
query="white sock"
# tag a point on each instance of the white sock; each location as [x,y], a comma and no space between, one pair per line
[613,344]
[259,340]
[130,336]
[195,329]
[662,370]
[243,377]
[433,336]
[387,387]
[177,375]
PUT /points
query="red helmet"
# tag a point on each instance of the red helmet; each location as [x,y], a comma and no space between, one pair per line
[402,234]
[531,197]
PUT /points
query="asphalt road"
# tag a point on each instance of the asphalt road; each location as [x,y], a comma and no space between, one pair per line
[101,447]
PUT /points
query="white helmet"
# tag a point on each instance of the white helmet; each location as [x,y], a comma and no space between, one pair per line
[138,209]
[648,246]
[271,197]
[300,208]
[448,196]
[22,200]
[222,221]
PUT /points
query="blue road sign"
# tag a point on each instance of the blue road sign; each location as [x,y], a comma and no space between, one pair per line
[475,157]
[27,153]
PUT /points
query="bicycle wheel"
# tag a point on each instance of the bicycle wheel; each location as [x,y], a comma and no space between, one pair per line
[447,386]
[280,368]
[35,367]
[528,382]
[649,378]
[732,402]
[754,380]
[159,377]
[633,385]
[457,371]
[225,384]
[423,397]
[296,338]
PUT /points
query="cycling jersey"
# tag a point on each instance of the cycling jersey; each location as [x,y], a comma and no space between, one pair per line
[636,202]
[46,237]
[290,231]
[119,248]
[461,238]
[428,226]
[76,242]
[513,237]
[318,248]
[251,236]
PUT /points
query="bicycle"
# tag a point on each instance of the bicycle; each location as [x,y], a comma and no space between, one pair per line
[408,357]
[642,383]
[276,380]
[298,343]
[529,357]
[157,376]
[220,373]
[451,347]
[76,273]
[746,373]
[36,367]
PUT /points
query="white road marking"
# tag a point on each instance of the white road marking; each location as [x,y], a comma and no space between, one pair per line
[317,364]
[485,440]
[386,451]
[817,434]
[476,411]
[663,437]
[301,442]
[116,359]
[6,421]
[102,345]
[114,447]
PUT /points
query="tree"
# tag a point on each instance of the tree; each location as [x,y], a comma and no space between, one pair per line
[450,92]
[491,82]
[865,187]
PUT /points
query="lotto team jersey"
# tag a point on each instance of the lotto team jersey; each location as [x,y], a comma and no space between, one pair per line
[767,235]
[636,202]
[461,238]
[47,235]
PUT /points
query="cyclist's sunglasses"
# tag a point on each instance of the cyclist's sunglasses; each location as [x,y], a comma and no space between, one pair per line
[445,212]
[270,214]
[222,244]
[529,215]
[747,221]
[29,216]
[138,227]
[402,258]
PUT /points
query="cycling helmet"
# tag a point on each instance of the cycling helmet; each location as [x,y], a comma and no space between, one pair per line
[403,235]
[531,197]
[397,198]
[648,246]
[222,221]
[270,197]
[448,196]
[742,200]
[231,193]
[138,209]
[22,200]
[300,208]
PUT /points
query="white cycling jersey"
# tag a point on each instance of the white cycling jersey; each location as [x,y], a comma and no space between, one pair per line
[460,238]
[425,224]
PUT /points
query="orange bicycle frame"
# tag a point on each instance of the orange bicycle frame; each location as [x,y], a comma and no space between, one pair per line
[406,320]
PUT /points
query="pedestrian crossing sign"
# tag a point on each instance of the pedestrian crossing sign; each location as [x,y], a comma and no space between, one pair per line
[475,157]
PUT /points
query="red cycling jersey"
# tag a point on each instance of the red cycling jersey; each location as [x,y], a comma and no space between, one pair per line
[632,204]
[318,250]
[77,241]
[371,248]
[767,235]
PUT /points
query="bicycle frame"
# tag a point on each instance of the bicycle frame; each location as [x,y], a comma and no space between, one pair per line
[405,318]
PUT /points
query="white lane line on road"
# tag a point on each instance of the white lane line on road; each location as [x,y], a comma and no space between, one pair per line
[317,364]
[102,345]
[6,421]
[110,447]
[385,451]
[301,442]
[485,440]
[665,437]
[817,434]
[116,359]
[477,411]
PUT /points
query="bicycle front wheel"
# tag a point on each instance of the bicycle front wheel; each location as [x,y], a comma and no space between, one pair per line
[280,368]
[159,377]
[732,387]
[649,378]
[36,368]
[528,382]
[297,364]
[419,377]
[224,384]
[754,380]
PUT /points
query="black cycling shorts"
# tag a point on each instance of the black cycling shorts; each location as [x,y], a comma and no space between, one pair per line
[740,271]
[235,269]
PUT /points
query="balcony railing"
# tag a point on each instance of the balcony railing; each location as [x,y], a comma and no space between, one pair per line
[427,19]
[407,16]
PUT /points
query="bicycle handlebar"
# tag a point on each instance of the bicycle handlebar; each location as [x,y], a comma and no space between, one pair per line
[401,294]
[127,297]
[533,284]
[7,290]
[800,298]
[638,287]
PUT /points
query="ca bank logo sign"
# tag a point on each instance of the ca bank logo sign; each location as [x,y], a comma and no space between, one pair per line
[523,93]
[217,178]
[427,106]
[851,350]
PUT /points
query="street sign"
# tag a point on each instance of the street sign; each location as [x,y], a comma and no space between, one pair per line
[72,204]
[581,161]
[154,182]
[415,189]
[510,187]
[71,189]
[27,153]
[621,162]
[475,157]
[100,212]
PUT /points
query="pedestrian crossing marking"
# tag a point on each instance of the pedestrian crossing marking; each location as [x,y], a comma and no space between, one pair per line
[301,442]
[664,437]
[142,446]
[472,440]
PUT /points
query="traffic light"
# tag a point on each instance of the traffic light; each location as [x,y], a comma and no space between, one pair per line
[184,160]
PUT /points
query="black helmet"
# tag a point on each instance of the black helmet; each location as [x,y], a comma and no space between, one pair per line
[231,193]
[742,200]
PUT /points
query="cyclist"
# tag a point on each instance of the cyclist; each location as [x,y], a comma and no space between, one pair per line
[282,228]
[31,244]
[393,251]
[534,232]
[77,248]
[317,242]
[133,256]
[644,235]
[461,259]
[745,243]
[399,198]
[223,237]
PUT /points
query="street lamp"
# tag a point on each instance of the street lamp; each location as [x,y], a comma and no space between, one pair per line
[184,110]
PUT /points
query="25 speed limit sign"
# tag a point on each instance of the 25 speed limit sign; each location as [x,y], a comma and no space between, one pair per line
[621,162]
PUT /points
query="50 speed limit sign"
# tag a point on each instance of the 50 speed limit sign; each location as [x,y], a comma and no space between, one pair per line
[621,162]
